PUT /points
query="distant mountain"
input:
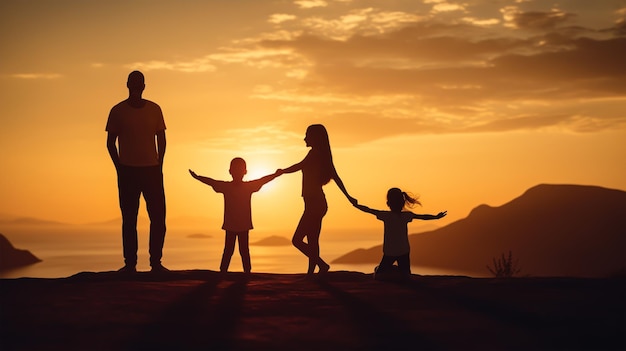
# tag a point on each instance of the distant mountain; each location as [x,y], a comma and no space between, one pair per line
[143,221]
[199,236]
[553,230]
[29,221]
[11,257]
[273,240]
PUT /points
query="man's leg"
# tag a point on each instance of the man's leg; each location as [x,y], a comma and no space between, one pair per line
[129,194]
[154,195]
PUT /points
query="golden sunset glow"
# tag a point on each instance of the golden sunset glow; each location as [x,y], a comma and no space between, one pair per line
[463,103]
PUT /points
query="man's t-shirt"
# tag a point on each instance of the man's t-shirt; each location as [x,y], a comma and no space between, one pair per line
[136,129]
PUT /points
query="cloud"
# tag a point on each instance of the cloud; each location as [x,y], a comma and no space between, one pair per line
[589,68]
[481,22]
[309,4]
[620,28]
[418,45]
[539,20]
[581,60]
[620,23]
[258,57]
[193,66]
[36,76]
[339,28]
[574,122]
[443,6]
[460,76]
[400,71]
[360,21]
[278,18]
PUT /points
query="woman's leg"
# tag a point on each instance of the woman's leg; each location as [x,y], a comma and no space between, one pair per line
[311,247]
[310,226]
[299,234]
[314,248]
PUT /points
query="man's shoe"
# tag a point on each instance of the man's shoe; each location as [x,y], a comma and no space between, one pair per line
[127,269]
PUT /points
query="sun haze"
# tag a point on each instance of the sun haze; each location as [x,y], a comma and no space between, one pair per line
[463,103]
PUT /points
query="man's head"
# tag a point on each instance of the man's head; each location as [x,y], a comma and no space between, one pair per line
[136,83]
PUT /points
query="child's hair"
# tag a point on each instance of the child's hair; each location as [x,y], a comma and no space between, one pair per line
[398,199]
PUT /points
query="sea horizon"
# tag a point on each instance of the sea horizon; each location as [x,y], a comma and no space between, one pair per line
[66,251]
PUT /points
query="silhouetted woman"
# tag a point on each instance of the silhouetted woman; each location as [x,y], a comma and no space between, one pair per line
[317,170]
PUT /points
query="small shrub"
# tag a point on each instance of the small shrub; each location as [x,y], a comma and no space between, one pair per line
[505,266]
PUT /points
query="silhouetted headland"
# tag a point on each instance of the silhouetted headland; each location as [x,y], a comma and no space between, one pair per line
[10,257]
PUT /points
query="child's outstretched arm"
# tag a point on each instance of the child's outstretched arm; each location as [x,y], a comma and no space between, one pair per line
[365,208]
[205,180]
[429,216]
[270,177]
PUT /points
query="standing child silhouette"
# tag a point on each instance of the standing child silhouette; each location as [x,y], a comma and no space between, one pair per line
[396,246]
[237,209]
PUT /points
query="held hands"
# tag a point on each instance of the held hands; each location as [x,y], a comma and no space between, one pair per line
[360,207]
[353,201]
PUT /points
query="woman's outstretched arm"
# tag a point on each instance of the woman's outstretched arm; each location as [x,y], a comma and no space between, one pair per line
[293,168]
[342,187]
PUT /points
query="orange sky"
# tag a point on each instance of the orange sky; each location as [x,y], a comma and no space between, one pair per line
[463,103]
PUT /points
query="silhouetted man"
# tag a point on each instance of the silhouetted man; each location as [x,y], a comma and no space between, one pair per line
[135,123]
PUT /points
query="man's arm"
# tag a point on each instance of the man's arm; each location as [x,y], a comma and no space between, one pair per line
[161,143]
[112,147]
